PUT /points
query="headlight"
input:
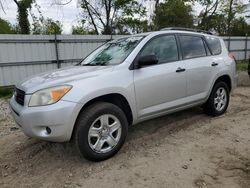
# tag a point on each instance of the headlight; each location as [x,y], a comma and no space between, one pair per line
[48,96]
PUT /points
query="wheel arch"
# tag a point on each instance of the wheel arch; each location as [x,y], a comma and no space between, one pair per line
[225,78]
[114,98]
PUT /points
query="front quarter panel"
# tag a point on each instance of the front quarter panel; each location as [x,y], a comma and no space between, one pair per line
[119,81]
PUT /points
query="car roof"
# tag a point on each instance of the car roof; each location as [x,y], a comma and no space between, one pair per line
[175,31]
[155,33]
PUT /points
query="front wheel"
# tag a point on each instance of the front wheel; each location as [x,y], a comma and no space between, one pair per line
[100,131]
[218,100]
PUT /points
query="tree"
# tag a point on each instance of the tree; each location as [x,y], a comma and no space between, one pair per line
[22,9]
[6,27]
[218,24]
[80,29]
[1,6]
[45,26]
[221,15]
[230,9]
[103,15]
[173,13]
[52,27]
[240,27]
[131,25]
[206,15]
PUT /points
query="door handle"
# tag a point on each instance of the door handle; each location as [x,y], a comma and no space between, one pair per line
[180,69]
[214,64]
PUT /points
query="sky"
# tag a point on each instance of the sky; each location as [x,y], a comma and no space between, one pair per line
[68,14]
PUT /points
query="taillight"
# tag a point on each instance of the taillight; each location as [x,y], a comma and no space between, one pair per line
[231,55]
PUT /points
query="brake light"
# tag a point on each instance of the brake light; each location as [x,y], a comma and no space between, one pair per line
[231,55]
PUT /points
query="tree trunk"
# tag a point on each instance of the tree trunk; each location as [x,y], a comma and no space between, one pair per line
[23,21]
[229,18]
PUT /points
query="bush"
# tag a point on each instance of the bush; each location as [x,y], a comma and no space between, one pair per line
[6,93]
[242,65]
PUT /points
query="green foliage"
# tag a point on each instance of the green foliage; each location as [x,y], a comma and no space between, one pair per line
[5,92]
[229,9]
[222,16]
[46,26]
[242,66]
[219,24]
[80,29]
[37,22]
[22,9]
[173,13]
[6,27]
[131,25]
[208,13]
[128,16]
[52,27]
[240,27]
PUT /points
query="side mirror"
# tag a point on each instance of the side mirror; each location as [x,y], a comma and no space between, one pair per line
[147,60]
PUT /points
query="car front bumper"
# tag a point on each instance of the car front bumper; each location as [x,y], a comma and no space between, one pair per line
[35,121]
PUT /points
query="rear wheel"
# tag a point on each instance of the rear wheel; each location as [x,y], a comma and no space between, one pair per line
[100,131]
[218,100]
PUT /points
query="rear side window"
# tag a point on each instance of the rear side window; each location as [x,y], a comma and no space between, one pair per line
[214,45]
[192,47]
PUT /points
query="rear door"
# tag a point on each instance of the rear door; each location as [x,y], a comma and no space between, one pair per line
[202,65]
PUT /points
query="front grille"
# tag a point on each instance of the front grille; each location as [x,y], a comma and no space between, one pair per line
[19,96]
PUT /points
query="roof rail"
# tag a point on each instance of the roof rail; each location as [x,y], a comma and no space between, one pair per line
[187,29]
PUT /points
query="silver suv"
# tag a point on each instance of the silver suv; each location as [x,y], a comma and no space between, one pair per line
[124,82]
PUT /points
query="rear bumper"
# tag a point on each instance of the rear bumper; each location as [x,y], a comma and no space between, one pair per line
[235,81]
[59,117]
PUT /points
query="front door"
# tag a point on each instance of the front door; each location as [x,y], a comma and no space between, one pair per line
[162,86]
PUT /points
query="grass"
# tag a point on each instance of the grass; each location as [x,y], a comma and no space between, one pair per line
[5,93]
[242,65]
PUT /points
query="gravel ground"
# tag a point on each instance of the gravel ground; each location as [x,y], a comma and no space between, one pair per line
[185,149]
[244,79]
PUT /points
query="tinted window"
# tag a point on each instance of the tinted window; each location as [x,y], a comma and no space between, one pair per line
[164,47]
[192,47]
[214,45]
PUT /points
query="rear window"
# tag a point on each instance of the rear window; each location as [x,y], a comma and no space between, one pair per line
[214,45]
[192,47]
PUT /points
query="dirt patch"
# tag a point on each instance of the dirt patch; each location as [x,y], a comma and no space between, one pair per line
[185,149]
[243,79]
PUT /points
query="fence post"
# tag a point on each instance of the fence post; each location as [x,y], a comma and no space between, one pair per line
[57,54]
[246,47]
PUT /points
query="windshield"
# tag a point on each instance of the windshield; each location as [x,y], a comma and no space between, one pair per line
[112,53]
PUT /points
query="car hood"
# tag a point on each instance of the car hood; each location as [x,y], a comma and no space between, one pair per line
[61,76]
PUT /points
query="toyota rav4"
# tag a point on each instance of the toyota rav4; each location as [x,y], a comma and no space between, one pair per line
[124,82]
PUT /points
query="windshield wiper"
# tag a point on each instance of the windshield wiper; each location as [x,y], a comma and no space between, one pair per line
[102,63]
[88,64]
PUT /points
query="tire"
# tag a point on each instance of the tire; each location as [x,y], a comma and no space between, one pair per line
[216,105]
[100,131]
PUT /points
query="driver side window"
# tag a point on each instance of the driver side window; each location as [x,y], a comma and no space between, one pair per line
[163,47]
